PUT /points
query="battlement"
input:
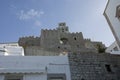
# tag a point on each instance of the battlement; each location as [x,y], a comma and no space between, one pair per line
[63,28]
[48,30]
[62,24]
[87,40]
[29,41]
[76,33]
[57,40]
[29,37]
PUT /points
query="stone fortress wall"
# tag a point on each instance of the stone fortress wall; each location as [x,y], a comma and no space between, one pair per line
[84,60]
[56,41]
[94,66]
[29,41]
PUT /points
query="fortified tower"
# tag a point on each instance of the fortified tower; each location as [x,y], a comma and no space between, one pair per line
[63,28]
[55,42]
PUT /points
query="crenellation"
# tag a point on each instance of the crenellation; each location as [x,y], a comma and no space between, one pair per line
[87,39]
[58,40]
[29,41]
[54,29]
[73,33]
[76,33]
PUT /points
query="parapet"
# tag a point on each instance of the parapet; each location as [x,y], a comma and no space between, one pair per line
[87,40]
[62,24]
[29,41]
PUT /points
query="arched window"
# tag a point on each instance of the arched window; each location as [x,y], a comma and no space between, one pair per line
[118,12]
[63,40]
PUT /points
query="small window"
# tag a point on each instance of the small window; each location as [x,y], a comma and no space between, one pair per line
[75,38]
[58,47]
[82,79]
[56,77]
[108,68]
[62,30]
[63,40]
[13,77]
[118,12]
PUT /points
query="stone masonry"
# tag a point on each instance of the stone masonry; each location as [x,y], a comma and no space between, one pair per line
[57,41]
[94,66]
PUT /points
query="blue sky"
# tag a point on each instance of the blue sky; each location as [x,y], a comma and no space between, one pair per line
[27,17]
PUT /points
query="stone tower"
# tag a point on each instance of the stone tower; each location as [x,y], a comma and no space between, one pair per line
[55,42]
[63,28]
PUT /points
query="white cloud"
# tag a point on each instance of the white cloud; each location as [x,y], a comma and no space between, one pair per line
[37,23]
[30,14]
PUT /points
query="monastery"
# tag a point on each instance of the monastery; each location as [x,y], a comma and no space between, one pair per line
[61,55]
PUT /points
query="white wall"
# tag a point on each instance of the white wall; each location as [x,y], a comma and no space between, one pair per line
[48,64]
[35,77]
[113,21]
[111,50]
[11,49]
[1,77]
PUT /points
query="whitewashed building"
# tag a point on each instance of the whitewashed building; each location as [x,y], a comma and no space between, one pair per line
[112,15]
[34,68]
[113,48]
[11,49]
[20,67]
